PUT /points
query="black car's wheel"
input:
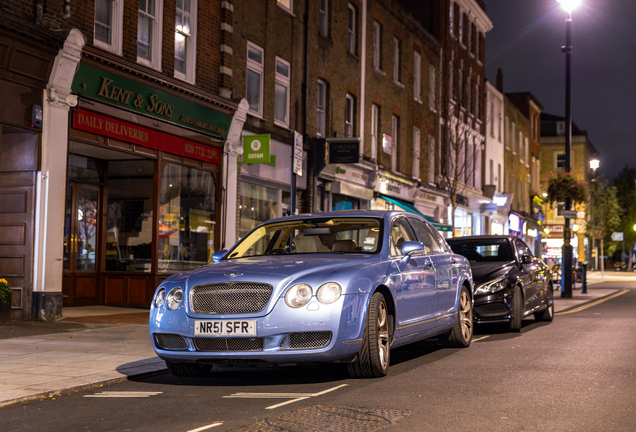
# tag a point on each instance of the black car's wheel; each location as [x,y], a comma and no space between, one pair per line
[516,310]
[548,313]
[372,360]
[462,333]
[187,369]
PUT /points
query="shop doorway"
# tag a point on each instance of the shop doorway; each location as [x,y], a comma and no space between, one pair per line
[81,244]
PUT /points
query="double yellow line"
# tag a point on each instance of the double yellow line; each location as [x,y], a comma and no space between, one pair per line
[589,305]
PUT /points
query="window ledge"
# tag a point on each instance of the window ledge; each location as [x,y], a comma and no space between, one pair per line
[285,9]
[282,125]
[379,71]
[399,84]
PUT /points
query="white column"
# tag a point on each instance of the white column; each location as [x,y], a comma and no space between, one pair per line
[51,186]
[231,151]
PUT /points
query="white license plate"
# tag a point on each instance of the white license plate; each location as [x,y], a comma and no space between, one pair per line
[225,328]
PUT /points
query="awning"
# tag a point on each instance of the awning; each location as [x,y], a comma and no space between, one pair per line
[407,206]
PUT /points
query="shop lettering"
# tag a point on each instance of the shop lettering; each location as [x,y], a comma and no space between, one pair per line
[127,131]
[255,156]
[158,107]
[199,151]
[109,91]
[91,122]
[201,124]
[115,93]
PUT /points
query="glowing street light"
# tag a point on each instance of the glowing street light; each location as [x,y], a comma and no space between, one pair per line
[569,5]
[594,164]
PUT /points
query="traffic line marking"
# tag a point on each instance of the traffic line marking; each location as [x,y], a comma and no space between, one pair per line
[597,302]
[295,397]
[481,338]
[202,428]
[123,394]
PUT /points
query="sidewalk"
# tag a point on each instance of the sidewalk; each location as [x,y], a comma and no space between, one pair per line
[94,345]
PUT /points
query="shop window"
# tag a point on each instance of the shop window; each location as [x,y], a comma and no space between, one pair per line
[108,24]
[149,33]
[281,99]
[129,216]
[340,202]
[258,204]
[254,80]
[187,218]
[185,40]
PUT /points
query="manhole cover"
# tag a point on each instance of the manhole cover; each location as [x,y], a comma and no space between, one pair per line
[328,419]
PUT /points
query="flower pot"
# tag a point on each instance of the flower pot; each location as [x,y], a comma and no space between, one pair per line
[5,311]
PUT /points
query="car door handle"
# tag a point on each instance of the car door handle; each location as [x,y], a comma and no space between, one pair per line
[428,264]
[453,260]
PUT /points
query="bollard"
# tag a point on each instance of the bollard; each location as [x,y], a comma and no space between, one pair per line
[584,278]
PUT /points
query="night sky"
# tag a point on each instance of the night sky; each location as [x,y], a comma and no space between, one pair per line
[526,42]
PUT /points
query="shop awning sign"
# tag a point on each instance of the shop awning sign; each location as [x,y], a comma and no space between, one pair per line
[256,150]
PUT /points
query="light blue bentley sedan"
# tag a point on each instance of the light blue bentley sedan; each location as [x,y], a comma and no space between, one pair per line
[342,287]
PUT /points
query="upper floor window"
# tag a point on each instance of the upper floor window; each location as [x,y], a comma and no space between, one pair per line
[377,44]
[286,4]
[432,79]
[395,130]
[396,60]
[477,95]
[375,129]
[469,37]
[451,81]
[431,159]
[461,27]
[352,17]
[417,76]
[323,25]
[416,153]
[350,108]
[185,40]
[492,119]
[321,115]
[281,93]
[520,146]
[559,161]
[149,33]
[451,18]
[108,25]
[254,78]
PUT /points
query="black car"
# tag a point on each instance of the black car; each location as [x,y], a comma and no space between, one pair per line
[510,283]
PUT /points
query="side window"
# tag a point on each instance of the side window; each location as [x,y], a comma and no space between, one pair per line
[429,238]
[522,249]
[400,232]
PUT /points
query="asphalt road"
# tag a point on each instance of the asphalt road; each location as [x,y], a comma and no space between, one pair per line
[574,374]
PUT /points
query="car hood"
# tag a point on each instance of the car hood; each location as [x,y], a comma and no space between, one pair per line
[487,271]
[275,269]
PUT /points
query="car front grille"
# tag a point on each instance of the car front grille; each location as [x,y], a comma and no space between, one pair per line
[230,298]
[492,310]
[169,341]
[305,340]
[228,344]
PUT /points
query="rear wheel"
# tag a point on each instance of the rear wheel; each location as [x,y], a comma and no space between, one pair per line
[372,360]
[516,309]
[462,333]
[187,369]
[548,313]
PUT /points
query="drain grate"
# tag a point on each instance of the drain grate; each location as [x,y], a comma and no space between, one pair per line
[328,419]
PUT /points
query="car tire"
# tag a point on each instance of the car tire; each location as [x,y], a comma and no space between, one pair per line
[374,356]
[516,310]
[548,313]
[462,333]
[187,369]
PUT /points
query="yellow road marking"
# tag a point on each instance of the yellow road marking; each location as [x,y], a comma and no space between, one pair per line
[589,305]
[481,338]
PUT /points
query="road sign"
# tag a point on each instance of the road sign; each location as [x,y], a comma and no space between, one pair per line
[297,163]
[617,236]
[569,214]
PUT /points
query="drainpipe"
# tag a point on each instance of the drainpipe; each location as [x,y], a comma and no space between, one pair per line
[363,70]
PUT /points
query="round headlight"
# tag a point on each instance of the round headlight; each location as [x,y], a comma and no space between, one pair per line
[298,295]
[174,298]
[160,297]
[328,293]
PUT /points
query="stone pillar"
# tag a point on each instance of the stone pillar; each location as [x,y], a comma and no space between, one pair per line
[231,151]
[51,185]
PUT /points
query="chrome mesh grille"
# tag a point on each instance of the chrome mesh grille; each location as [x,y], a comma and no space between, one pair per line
[230,298]
[305,340]
[228,344]
[170,341]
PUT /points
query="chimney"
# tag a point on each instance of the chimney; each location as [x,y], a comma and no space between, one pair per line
[499,80]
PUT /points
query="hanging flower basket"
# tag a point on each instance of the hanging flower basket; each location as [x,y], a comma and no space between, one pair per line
[563,185]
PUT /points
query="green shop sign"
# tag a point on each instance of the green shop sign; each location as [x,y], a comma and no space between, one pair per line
[113,89]
[256,150]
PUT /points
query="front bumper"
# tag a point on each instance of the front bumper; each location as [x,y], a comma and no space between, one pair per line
[316,333]
[492,308]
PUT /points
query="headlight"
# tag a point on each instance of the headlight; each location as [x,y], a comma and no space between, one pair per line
[492,286]
[174,298]
[160,297]
[298,295]
[328,293]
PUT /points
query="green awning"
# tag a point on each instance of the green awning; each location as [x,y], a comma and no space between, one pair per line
[407,206]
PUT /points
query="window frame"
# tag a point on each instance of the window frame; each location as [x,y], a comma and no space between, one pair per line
[258,68]
[286,8]
[395,130]
[284,81]
[432,87]
[431,159]
[417,138]
[321,124]
[323,21]
[350,114]
[417,76]
[157,33]
[375,129]
[116,29]
[396,60]
[377,45]
[191,49]
[352,24]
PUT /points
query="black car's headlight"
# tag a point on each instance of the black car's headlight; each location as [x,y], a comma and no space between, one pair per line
[491,286]
[174,298]
[328,293]
[160,297]
[298,295]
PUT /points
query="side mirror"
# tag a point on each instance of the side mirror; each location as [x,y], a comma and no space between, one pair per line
[218,255]
[409,248]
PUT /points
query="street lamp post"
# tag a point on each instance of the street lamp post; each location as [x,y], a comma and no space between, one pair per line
[566,251]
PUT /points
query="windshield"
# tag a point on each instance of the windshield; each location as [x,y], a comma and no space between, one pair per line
[315,235]
[483,250]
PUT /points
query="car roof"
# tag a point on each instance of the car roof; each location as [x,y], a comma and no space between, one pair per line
[480,237]
[345,213]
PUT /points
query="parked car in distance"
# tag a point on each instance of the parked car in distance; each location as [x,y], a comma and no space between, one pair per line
[342,287]
[510,282]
